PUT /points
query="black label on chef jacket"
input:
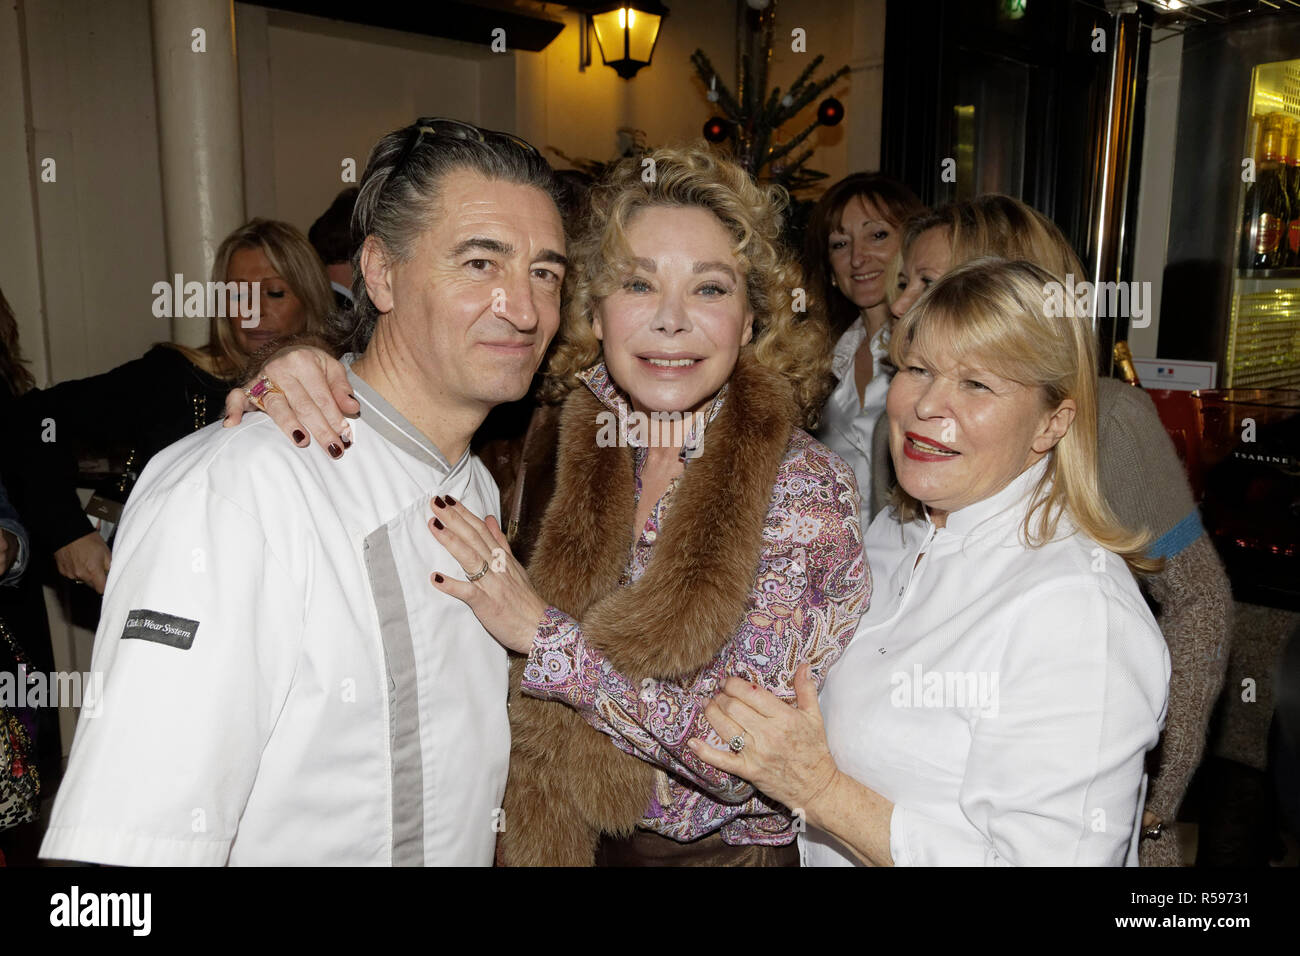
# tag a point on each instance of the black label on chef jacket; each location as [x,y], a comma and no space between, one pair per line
[160,628]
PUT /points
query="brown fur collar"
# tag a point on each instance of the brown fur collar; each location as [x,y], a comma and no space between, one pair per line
[568,782]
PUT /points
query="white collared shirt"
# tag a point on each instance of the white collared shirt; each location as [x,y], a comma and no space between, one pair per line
[282,684]
[847,424]
[1003,698]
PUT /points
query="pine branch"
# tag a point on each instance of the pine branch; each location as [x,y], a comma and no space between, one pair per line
[767,22]
[816,90]
[769,108]
[766,127]
[795,165]
[786,147]
[796,90]
[746,87]
[726,101]
[794,176]
[807,72]
[742,85]
[799,179]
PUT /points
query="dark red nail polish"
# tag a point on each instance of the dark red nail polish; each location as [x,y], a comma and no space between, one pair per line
[298,436]
[437,524]
[451,500]
[438,578]
[334,450]
[347,442]
[439,502]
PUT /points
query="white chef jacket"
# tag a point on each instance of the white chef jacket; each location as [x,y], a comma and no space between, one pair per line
[1047,769]
[281,682]
[846,424]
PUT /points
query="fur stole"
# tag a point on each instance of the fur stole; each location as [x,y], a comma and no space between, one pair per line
[568,782]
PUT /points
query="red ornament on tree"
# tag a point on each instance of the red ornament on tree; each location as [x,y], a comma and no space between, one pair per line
[830,112]
[717,129]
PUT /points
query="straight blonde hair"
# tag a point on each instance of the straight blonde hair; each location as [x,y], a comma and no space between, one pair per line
[997,225]
[294,260]
[998,315]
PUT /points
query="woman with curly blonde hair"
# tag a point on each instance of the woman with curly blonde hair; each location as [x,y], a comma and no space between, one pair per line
[695,531]
[695,176]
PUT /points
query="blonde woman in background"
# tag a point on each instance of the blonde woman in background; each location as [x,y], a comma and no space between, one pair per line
[167,393]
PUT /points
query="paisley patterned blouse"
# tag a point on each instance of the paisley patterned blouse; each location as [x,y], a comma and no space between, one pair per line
[811,587]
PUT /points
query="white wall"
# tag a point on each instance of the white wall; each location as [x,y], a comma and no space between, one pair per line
[91,109]
[316,92]
[20,276]
[1155,184]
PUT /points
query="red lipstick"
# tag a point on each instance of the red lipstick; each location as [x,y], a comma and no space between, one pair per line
[916,453]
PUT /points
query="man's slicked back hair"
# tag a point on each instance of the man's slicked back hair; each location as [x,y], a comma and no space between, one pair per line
[400,191]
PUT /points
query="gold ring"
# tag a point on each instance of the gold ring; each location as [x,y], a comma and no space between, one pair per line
[258,391]
[481,571]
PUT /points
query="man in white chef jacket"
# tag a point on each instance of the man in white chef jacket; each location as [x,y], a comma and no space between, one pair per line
[282,685]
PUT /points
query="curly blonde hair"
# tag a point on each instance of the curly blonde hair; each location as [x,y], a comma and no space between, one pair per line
[796,344]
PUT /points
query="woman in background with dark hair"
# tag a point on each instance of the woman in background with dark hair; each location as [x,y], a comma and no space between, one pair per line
[24,626]
[15,378]
[850,254]
[171,391]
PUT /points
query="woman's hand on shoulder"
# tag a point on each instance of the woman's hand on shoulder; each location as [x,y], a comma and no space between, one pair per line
[315,398]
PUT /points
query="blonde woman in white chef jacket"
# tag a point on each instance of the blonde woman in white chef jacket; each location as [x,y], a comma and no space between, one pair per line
[1001,692]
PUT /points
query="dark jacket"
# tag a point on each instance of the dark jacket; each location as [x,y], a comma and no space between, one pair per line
[141,407]
[518,445]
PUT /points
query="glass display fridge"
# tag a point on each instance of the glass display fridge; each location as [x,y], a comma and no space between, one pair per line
[1263,336]
[1230,290]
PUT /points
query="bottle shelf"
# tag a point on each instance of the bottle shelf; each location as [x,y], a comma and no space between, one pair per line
[1288,273]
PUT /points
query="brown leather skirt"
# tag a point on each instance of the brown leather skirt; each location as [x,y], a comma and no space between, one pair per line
[646,848]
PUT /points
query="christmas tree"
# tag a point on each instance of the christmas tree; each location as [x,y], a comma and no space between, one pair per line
[752,115]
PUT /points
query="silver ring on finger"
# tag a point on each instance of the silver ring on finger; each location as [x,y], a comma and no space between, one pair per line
[737,743]
[480,572]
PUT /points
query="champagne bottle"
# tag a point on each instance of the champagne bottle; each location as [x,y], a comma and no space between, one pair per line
[1268,210]
[1124,361]
[1291,156]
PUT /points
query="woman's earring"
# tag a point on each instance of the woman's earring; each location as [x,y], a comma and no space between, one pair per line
[833,285]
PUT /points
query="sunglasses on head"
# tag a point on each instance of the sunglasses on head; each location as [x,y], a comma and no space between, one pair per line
[440,126]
